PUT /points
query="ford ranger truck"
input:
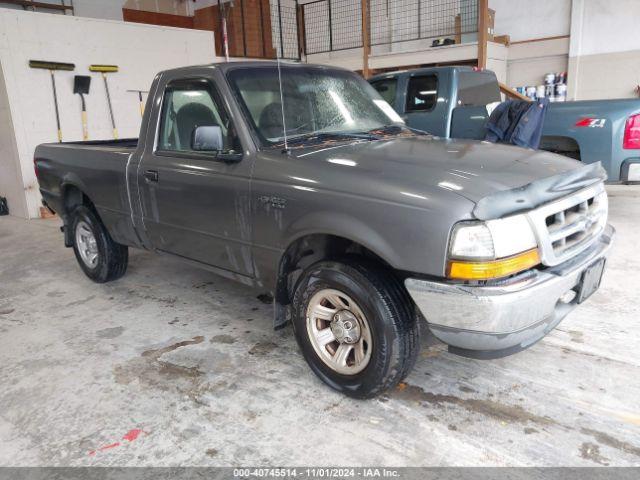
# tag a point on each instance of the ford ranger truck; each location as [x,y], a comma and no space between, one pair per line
[304,183]
[451,102]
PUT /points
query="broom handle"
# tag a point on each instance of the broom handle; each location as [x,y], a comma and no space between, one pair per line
[55,103]
[141,104]
[85,130]
[113,122]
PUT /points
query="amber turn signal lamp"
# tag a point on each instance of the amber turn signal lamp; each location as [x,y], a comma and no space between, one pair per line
[464,270]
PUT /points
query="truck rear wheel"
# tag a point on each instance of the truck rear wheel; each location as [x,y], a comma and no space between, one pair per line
[356,326]
[100,258]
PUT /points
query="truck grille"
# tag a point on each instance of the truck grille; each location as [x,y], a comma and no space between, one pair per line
[568,226]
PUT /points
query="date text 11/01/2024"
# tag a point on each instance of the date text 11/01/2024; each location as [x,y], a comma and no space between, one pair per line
[316,472]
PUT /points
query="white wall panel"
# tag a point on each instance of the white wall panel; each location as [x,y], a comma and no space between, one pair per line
[526,19]
[604,53]
[139,50]
[605,26]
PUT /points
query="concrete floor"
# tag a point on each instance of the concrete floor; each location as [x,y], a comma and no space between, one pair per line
[174,366]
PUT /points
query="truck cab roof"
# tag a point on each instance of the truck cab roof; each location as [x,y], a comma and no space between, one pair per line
[418,71]
[226,66]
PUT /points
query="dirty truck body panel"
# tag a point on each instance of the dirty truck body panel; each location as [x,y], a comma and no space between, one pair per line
[453,105]
[400,196]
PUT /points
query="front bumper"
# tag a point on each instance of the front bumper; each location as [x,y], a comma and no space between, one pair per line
[495,321]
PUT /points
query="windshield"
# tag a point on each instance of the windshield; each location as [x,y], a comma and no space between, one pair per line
[317,101]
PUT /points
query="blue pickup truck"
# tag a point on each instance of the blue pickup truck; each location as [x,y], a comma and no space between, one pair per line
[451,102]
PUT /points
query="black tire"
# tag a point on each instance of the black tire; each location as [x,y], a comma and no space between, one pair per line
[389,312]
[113,257]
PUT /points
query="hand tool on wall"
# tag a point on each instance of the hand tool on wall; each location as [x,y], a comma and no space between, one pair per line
[140,92]
[52,67]
[81,85]
[104,69]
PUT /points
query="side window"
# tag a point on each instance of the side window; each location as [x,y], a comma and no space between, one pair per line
[188,105]
[422,93]
[387,89]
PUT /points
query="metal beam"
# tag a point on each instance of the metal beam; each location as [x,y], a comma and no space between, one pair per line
[365,38]
[483,20]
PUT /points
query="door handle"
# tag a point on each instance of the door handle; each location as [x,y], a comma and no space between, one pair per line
[151,175]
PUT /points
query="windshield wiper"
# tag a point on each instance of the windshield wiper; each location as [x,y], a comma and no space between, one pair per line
[363,135]
[322,136]
[395,129]
[386,129]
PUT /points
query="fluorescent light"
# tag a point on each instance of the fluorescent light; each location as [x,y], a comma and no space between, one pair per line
[342,161]
[302,179]
[414,195]
[449,186]
[348,119]
[390,112]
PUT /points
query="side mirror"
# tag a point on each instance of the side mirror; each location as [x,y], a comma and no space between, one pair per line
[207,138]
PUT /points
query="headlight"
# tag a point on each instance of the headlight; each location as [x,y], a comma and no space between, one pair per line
[492,249]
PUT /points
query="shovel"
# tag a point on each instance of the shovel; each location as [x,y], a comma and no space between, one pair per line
[81,85]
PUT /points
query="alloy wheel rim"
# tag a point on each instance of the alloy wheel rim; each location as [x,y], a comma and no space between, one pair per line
[86,244]
[339,331]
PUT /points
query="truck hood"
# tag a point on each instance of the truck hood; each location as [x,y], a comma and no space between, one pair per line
[472,169]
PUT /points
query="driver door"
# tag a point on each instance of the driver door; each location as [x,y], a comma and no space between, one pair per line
[196,204]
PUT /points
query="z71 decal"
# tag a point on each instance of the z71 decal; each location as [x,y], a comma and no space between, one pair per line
[591,122]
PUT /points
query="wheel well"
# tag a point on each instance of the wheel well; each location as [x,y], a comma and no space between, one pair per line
[311,249]
[566,146]
[73,197]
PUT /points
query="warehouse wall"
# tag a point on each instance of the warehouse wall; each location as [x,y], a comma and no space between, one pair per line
[604,57]
[529,62]
[104,9]
[10,177]
[139,50]
[526,19]
[539,34]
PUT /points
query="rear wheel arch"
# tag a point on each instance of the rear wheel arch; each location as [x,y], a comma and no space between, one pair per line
[99,256]
[73,197]
[562,145]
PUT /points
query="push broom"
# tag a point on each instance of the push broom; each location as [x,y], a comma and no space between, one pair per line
[104,69]
[52,67]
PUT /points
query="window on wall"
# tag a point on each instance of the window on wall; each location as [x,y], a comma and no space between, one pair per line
[387,89]
[187,106]
[422,93]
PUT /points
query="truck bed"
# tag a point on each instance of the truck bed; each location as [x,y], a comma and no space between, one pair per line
[96,166]
[119,144]
[564,133]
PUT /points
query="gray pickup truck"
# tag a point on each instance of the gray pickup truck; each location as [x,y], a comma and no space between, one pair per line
[451,102]
[302,182]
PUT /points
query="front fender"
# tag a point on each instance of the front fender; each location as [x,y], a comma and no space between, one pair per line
[344,226]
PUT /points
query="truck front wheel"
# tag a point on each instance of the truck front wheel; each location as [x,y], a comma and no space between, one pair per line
[356,326]
[100,258]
